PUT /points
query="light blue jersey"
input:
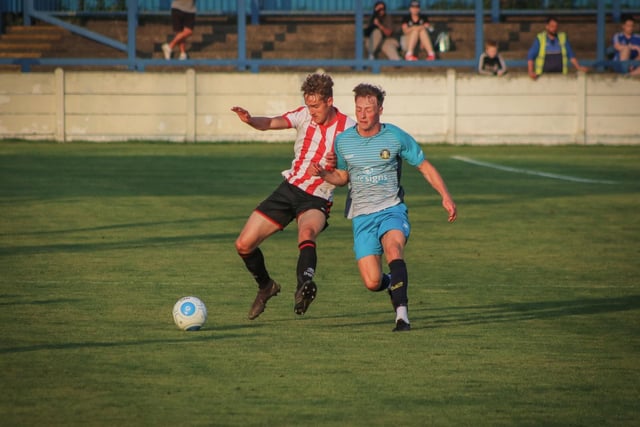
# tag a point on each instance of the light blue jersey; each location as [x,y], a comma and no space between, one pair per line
[374,166]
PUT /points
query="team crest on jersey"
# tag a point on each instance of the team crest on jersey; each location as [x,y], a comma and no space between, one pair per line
[385,154]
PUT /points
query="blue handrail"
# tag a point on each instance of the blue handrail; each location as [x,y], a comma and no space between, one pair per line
[244,8]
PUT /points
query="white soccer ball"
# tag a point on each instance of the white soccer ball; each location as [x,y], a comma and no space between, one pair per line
[189,313]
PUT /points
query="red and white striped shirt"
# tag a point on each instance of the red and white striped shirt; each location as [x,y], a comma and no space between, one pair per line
[313,142]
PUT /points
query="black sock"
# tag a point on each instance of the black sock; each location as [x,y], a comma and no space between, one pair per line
[399,283]
[255,264]
[307,261]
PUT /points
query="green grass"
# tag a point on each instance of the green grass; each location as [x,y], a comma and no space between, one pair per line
[526,311]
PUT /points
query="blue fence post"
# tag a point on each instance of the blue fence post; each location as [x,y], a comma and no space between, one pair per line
[132,25]
[600,19]
[495,10]
[479,29]
[255,12]
[26,12]
[242,35]
[359,34]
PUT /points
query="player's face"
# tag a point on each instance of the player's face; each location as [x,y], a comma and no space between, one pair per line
[320,109]
[492,51]
[368,115]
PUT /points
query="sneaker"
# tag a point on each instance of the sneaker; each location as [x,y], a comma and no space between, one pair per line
[167,51]
[402,326]
[305,295]
[183,56]
[431,57]
[410,57]
[371,57]
[261,299]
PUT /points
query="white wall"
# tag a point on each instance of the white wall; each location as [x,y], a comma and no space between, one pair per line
[434,107]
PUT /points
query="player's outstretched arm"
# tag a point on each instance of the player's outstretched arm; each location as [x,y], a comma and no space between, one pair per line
[261,123]
[433,177]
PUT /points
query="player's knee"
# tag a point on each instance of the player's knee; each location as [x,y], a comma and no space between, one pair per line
[372,283]
[242,246]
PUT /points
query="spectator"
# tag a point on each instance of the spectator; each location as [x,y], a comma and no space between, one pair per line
[380,33]
[183,18]
[627,47]
[414,28]
[491,63]
[551,52]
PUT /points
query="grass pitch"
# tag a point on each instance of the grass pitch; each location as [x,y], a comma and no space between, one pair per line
[526,311]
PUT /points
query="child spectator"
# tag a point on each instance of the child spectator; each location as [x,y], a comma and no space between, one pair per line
[490,62]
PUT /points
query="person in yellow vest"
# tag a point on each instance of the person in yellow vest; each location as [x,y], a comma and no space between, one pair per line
[551,52]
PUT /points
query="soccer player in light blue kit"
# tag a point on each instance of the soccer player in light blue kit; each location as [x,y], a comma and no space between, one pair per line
[368,157]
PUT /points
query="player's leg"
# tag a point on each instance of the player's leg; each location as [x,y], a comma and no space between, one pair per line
[370,268]
[368,251]
[310,224]
[395,230]
[255,231]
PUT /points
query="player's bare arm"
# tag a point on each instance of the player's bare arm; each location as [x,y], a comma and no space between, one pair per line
[331,175]
[261,123]
[433,177]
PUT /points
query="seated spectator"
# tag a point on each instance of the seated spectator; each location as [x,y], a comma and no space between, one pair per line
[414,28]
[380,33]
[551,52]
[627,47]
[490,62]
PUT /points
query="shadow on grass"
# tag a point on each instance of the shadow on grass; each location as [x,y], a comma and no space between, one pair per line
[204,335]
[131,244]
[112,227]
[423,317]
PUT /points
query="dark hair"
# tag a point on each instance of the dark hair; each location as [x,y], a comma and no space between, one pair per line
[625,18]
[318,84]
[491,43]
[551,18]
[366,90]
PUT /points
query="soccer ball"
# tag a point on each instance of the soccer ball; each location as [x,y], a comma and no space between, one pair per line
[189,313]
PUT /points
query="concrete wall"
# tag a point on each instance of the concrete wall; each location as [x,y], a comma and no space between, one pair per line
[434,107]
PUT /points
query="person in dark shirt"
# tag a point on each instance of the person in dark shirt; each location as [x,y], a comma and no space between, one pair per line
[414,28]
[490,62]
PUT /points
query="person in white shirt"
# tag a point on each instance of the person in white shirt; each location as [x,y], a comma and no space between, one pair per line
[301,197]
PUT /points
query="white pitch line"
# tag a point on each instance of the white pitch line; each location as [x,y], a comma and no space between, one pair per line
[531,172]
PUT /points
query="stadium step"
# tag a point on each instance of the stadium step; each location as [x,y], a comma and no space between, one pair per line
[312,37]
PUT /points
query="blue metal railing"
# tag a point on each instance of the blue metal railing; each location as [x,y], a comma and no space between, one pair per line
[48,10]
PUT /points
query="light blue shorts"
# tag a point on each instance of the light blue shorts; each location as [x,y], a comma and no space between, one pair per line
[369,229]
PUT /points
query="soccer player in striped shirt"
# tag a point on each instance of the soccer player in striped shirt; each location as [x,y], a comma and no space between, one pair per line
[301,197]
[369,158]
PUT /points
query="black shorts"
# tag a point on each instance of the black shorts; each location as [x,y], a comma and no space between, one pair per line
[182,20]
[287,202]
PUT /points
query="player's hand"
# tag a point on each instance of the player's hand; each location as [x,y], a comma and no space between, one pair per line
[314,169]
[533,75]
[450,207]
[330,161]
[242,114]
